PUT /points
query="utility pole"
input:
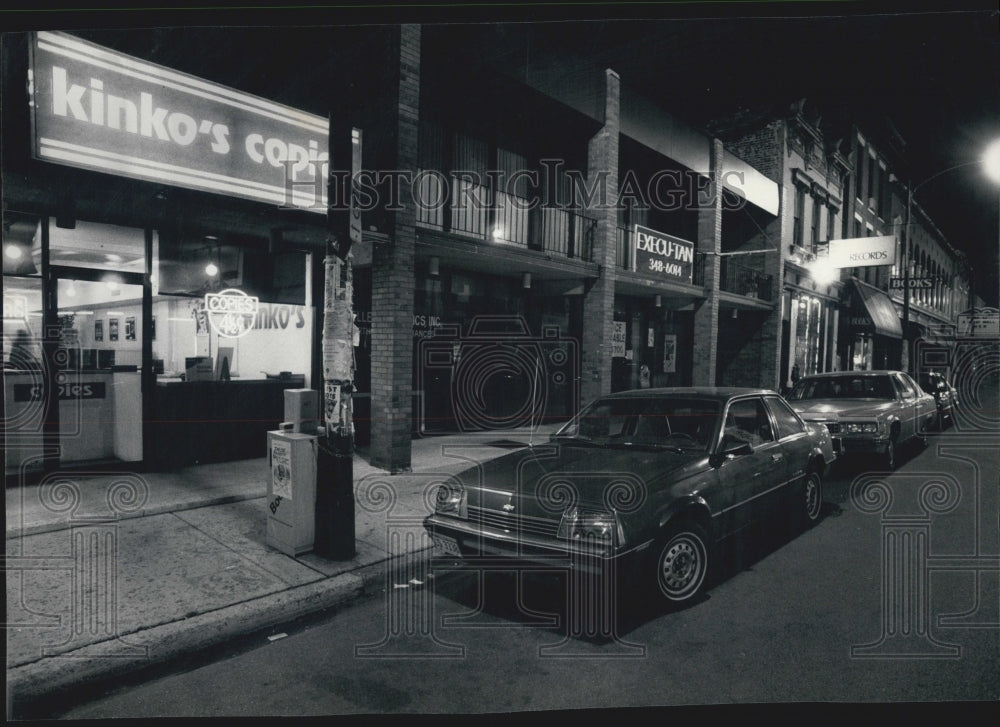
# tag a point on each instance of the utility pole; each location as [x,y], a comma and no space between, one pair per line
[906,278]
[335,466]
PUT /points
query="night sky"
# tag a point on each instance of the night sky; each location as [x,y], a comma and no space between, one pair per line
[934,73]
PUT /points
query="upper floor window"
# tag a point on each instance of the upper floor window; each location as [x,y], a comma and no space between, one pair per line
[800,203]
[816,207]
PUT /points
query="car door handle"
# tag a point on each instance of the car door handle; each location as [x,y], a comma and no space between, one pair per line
[776,457]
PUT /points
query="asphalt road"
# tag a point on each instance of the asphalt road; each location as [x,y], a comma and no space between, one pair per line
[879,603]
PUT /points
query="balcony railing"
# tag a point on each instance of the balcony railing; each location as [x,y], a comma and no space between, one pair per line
[477,211]
[736,278]
[623,248]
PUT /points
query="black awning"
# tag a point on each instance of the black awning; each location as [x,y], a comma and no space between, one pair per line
[881,310]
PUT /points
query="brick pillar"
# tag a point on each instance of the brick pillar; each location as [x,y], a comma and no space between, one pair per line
[599,301]
[706,315]
[769,335]
[393,284]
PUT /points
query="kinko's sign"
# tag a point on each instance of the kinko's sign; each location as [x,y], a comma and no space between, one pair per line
[95,108]
[663,255]
[231,312]
[861,252]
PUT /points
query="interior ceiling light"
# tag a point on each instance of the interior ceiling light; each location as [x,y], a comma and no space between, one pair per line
[212,270]
[14,252]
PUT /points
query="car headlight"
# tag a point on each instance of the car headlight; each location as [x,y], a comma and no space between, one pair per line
[451,500]
[860,427]
[591,525]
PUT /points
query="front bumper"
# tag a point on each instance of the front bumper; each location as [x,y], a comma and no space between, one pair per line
[846,444]
[461,544]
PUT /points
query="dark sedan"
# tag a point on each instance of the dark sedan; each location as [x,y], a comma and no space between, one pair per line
[944,394]
[649,481]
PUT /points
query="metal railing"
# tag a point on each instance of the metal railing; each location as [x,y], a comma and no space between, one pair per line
[477,211]
[623,248]
[736,278]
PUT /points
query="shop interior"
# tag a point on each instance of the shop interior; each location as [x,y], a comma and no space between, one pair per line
[96,272]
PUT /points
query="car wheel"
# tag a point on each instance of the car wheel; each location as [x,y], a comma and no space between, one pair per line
[682,562]
[813,498]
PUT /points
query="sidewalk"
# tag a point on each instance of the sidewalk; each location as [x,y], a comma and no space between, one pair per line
[110,573]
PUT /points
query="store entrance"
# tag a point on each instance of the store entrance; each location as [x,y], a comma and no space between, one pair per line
[98,365]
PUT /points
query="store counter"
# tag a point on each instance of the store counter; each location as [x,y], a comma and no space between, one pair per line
[215,421]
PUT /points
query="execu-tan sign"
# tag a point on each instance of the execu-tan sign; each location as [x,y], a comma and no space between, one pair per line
[231,312]
[663,255]
[98,109]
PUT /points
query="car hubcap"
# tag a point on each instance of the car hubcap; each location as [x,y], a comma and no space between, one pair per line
[812,497]
[681,567]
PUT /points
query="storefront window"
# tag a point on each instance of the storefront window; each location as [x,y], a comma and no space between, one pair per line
[808,334]
[271,337]
[98,246]
[23,371]
[862,353]
[99,365]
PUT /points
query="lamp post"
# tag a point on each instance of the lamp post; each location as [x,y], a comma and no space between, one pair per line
[990,162]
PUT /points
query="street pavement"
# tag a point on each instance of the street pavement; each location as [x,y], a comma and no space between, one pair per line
[111,573]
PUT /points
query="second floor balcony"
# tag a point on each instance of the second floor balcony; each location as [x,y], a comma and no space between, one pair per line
[479,212]
[743,280]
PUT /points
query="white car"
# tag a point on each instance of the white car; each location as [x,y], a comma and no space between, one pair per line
[867,412]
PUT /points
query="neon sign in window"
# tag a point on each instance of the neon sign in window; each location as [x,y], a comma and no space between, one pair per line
[231,312]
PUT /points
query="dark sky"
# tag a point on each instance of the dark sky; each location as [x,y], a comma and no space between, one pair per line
[934,72]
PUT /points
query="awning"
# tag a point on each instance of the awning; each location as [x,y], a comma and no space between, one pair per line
[881,310]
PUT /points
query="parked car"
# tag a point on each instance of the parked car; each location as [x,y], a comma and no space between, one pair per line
[867,412]
[649,480]
[935,384]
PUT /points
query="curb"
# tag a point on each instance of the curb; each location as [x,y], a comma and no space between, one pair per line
[30,683]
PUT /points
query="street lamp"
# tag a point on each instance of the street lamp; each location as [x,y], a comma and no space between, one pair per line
[990,162]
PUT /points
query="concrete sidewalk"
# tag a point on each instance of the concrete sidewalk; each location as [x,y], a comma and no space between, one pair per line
[110,573]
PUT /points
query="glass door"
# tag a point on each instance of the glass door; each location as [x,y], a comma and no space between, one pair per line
[98,365]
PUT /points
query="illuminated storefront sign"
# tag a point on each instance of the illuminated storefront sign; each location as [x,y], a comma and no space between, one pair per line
[663,255]
[98,109]
[82,390]
[861,252]
[979,323]
[231,312]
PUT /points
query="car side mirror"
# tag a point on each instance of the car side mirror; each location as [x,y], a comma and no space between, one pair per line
[736,448]
[731,448]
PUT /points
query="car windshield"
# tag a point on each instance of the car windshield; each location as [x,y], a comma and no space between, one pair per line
[843,387]
[679,423]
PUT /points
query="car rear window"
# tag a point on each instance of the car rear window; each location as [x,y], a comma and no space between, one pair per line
[843,387]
